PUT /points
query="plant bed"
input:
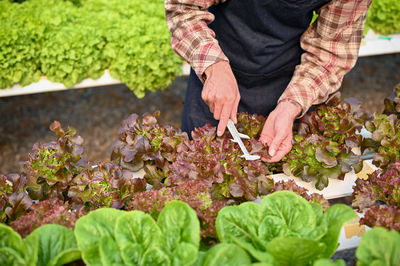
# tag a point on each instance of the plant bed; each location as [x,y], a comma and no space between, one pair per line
[269,233]
[108,236]
[378,198]
[153,167]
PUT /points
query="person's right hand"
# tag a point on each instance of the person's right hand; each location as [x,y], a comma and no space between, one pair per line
[221,94]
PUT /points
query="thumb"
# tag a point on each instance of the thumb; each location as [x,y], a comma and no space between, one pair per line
[276,142]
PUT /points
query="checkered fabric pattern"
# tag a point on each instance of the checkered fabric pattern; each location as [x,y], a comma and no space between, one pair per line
[331,45]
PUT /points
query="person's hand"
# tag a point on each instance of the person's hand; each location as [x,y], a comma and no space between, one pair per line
[277,131]
[221,94]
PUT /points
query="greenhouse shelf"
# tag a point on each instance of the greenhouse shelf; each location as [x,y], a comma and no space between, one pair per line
[373,44]
[44,85]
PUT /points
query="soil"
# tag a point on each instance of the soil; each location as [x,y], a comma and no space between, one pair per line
[97,112]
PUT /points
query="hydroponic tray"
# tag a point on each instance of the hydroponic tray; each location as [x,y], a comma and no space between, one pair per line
[351,233]
[336,188]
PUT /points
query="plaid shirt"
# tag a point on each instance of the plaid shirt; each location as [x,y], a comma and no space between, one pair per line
[331,45]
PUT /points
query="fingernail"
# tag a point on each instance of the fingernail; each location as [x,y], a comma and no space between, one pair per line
[219,133]
[272,152]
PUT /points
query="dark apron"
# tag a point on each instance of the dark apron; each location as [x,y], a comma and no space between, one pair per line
[261,38]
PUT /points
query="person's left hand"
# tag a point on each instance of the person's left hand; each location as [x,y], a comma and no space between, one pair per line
[278,130]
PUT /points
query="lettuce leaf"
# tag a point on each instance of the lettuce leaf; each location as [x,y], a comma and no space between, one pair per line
[264,230]
[48,245]
[379,247]
[89,231]
[226,254]
[55,245]
[327,144]
[133,238]
[51,211]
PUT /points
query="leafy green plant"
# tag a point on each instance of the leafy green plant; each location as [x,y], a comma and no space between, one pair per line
[336,120]
[196,193]
[105,185]
[19,45]
[109,236]
[302,192]
[328,262]
[47,245]
[147,144]
[392,102]
[379,247]
[317,158]
[250,124]
[383,216]
[51,211]
[273,231]
[68,57]
[51,167]
[383,16]
[225,254]
[14,201]
[382,186]
[219,162]
[327,144]
[386,134]
[68,41]
[168,156]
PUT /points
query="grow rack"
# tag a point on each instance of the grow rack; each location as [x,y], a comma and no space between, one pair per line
[371,45]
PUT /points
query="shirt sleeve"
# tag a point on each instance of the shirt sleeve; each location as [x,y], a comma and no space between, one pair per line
[331,48]
[191,38]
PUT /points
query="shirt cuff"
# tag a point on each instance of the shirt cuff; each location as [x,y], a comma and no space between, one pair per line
[205,56]
[302,93]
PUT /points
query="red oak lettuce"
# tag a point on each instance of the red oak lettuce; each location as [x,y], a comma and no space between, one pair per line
[384,216]
[14,201]
[106,185]
[146,144]
[218,161]
[52,166]
[392,103]
[327,144]
[51,211]
[196,193]
[386,133]
[380,187]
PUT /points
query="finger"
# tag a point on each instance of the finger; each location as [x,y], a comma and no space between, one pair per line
[277,141]
[285,147]
[235,109]
[267,134]
[212,106]
[217,111]
[211,101]
[206,95]
[226,111]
